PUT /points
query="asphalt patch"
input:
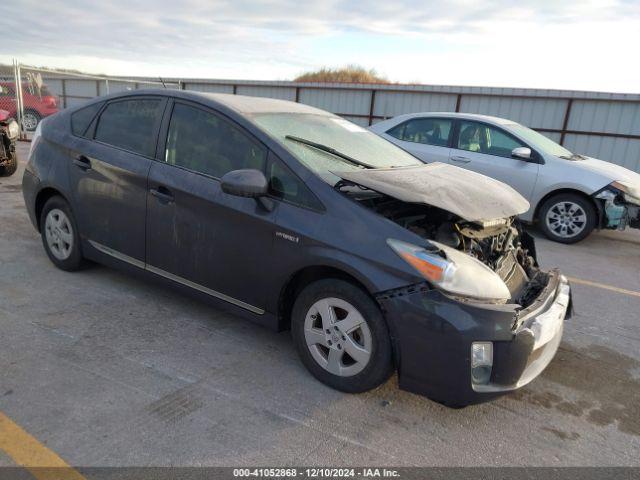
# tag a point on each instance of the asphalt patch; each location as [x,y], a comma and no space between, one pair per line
[603,380]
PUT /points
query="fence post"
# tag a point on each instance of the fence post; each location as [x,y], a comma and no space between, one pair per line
[565,122]
[64,93]
[458,102]
[297,94]
[19,99]
[371,106]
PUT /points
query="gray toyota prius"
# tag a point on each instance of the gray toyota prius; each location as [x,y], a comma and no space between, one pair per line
[299,219]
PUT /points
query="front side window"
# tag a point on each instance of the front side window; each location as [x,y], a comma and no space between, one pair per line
[131,125]
[206,143]
[430,131]
[285,185]
[481,138]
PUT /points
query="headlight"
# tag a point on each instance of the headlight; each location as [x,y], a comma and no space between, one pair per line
[453,271]
[631,192]
[13,129]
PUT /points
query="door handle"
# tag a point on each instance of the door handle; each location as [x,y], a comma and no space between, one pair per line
[459,159]
[82,162]
[163,194]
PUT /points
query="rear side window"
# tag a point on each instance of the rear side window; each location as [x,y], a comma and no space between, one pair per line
[81,119]
[131,125]
[430,131]
[206,143]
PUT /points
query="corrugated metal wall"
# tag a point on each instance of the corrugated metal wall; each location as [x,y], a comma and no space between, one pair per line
[602,125]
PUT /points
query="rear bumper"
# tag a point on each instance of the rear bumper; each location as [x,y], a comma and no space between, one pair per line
[30,188]
[433,335]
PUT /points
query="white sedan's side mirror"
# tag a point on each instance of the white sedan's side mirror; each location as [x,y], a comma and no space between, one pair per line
[521,152]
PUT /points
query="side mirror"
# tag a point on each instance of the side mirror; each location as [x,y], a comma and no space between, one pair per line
[245,183]
[523,153]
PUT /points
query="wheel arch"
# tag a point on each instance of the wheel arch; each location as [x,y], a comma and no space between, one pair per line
[303,277]
[41,199]
[309,274]
[589,198]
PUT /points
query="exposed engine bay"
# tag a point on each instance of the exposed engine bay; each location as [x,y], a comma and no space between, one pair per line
[499,244]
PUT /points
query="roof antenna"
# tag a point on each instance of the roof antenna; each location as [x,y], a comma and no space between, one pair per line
[163,84]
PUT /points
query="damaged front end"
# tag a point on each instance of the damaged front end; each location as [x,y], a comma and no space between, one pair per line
[619,206]
[476,248]
[487,319]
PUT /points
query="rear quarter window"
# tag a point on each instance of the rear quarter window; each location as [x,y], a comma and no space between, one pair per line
[130,125]
[81,119]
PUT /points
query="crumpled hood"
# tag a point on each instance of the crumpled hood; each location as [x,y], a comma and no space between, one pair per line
[471,196]
[610,172]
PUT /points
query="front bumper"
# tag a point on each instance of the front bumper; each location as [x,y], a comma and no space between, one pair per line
[433,335]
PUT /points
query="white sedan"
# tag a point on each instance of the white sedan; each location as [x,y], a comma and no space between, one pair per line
[570,194]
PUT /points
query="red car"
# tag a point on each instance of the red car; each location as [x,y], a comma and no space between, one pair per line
[37,105]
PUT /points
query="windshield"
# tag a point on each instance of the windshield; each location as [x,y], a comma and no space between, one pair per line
[337,133]
[540,142]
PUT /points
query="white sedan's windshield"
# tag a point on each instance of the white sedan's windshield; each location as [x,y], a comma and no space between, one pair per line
[334,132]
[540,142]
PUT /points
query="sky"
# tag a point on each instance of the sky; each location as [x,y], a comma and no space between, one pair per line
[561,44]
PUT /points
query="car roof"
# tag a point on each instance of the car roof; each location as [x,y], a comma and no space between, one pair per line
[464,116]
[242,104]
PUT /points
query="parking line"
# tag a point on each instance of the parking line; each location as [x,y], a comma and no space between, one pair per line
[604,286]
[28,452]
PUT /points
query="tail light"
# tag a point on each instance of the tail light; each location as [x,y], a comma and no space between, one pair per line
[50,101]
[37,136]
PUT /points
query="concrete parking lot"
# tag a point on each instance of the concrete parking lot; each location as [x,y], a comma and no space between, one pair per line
[107,370]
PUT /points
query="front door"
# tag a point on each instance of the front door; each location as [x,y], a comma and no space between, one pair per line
[487,149]
[198,235]
[108,176]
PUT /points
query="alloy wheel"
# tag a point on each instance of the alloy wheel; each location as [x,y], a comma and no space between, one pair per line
[59,234]
[566,219]
[338,337]
[29,121]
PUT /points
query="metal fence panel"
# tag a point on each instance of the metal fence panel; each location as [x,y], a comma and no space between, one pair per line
[625,151]
[608,124]
[341,101]
[535,113]
[391,104]
[610,117]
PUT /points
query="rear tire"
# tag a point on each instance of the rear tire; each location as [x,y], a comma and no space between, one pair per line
[60,236]
[341,336]
[567,218]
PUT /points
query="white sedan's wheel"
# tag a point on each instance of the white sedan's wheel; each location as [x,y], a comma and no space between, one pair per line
[566,219]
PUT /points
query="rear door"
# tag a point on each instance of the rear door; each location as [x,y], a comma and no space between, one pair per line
[108,172]
[426,138]
[486,149]
[198,235]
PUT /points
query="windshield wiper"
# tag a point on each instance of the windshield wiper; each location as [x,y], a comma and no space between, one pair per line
[330,150]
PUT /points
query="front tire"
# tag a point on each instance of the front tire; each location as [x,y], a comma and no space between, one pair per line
[60,236]
[341,336]
[30,120]
[10,167]
[567,218]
